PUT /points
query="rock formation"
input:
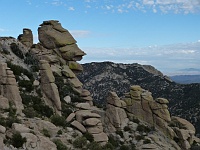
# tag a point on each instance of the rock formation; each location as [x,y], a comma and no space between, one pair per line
[183,98]
[54,110]
[139,104]
[26,38]
[9,89]
[58,53]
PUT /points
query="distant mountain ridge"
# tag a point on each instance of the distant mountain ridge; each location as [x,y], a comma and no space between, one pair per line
[99,78]
[186,79]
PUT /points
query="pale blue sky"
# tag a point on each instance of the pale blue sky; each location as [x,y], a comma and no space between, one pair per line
[162,33]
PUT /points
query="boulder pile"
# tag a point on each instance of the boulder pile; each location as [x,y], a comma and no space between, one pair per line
[138,104]
[58,54]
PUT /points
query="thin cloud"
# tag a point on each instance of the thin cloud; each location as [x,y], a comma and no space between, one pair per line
[2,30]
[57,3]
[124,6]
[80,33]
[169,58]
[71,8]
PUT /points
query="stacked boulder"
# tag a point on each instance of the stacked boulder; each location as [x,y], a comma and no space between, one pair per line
[58,54]
[185,132]
[26,38]
[87,121]
[139,104]
[49,87]
[115,115]
[9,90]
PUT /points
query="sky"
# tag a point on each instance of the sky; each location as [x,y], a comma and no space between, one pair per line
[161,33]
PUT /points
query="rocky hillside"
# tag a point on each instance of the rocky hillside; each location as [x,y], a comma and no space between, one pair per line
[99,78]
[44,106]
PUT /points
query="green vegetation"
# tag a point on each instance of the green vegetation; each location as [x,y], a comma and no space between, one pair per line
[7,122]
[31,60]
[66,89]
[139,137]
[119,133]
[60,145]
[46,133]
[88,136]
[16,50]
[124,147]
[17,140]
[108,146]
[26,84]
[143,128]
[12,118]
[136,120]
[58,120]
[127,128]
[146,141]
[18,70]
[80,142]
[94,146]
[35,102]
[59,132]
[30,112]
[113,141]
[67,109]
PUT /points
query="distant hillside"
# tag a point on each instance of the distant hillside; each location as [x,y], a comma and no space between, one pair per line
[186,79]
[99,78]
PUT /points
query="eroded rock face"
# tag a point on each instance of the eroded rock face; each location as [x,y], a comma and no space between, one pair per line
[52,35]
[9,88]
[139,104]
[26,38]
[49,88]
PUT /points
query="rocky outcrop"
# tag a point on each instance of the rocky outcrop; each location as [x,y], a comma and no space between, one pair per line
[184,98]
[49,87]
[53,35]
[26,38]
[115,116]
[9,89]
[136,119]
[139,104]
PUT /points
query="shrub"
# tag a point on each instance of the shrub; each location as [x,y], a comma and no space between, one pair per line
[139,137]
[80,142]
[66,110]
[146,141]
[136,120]
[59,132]
[37,104]
[16,50]
[5,51]
[58,120]
[112,141]
[30,112]
[143,128]
[17,140]
[108,146]
[18,70]
[127,128]
[46,133]
[60,145]
[124,147]
[33,61]
[88,136]
[94,146]
[26,84]
[119,133]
